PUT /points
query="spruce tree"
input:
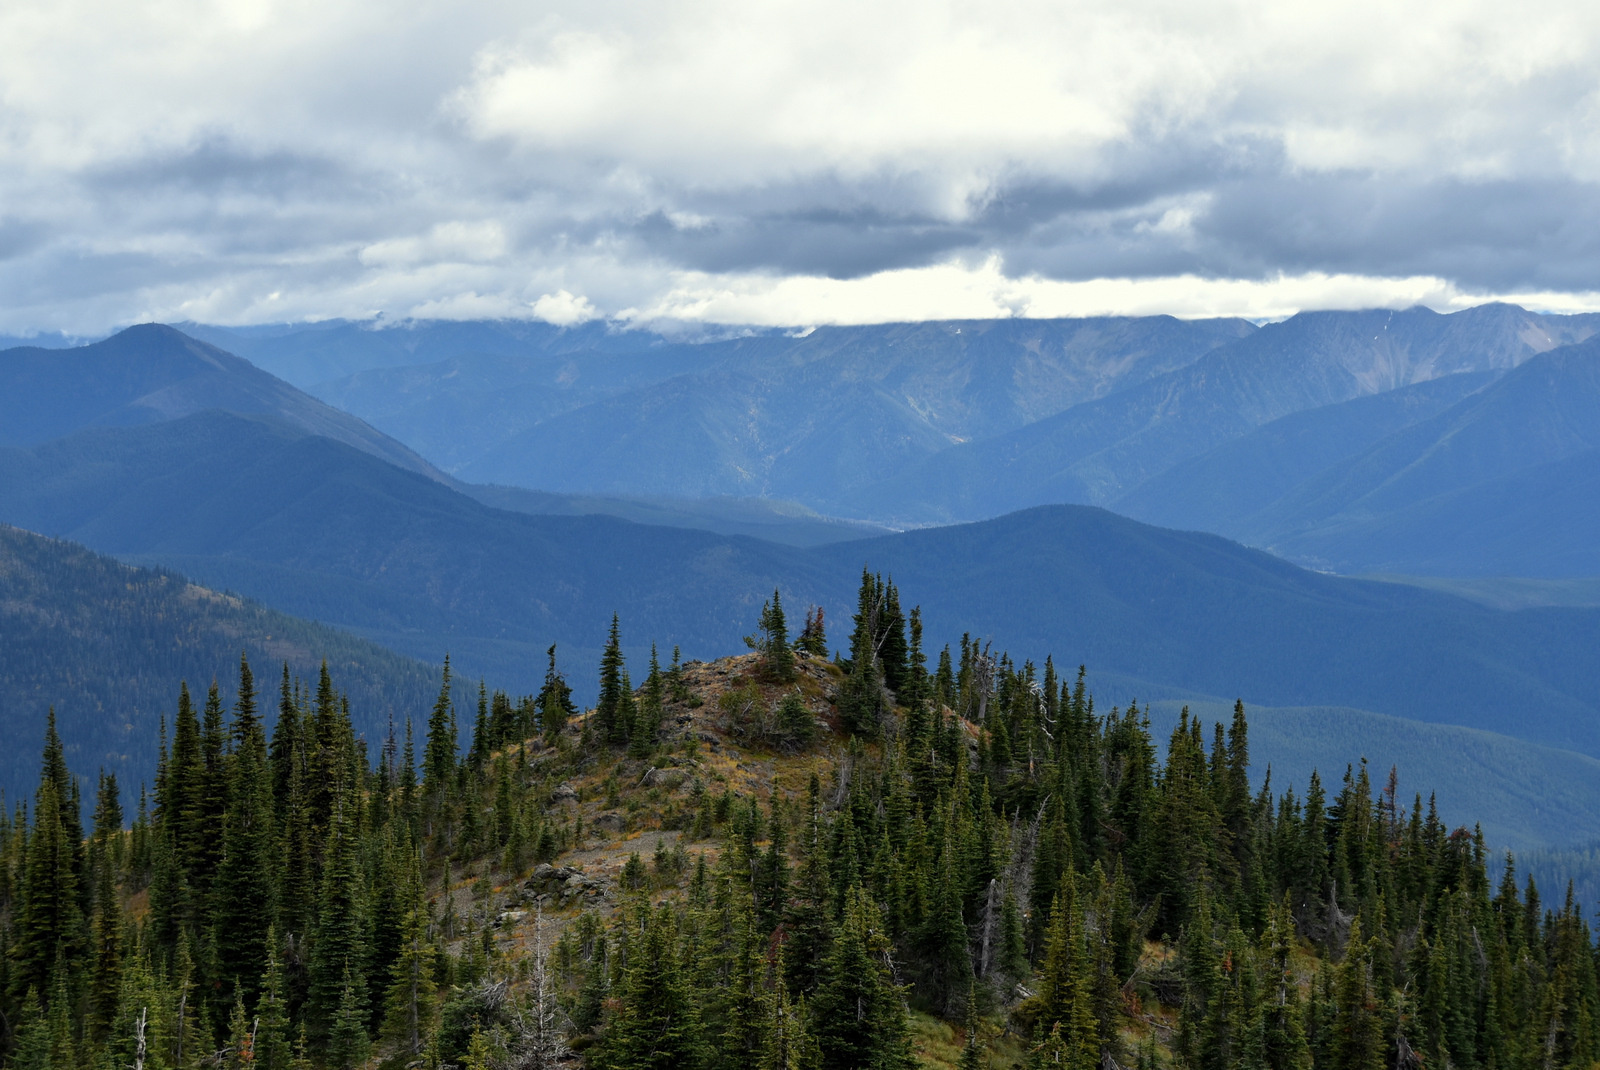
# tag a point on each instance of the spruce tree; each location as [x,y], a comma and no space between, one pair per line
[48,930]
[439,754]
[412,1004]
[771,641]
[245,899]
[105,986]
[272,1046]
[857,1013]
[348,1043]
[609,724]
[337,971]
[656,1025]
[554,703]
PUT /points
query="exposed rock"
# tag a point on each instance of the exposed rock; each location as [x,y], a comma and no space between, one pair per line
[560,885]
[563,794]
[609,822]
[665,778]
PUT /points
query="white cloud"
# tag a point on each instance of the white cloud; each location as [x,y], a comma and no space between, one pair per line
[564,309]
[958,291]
[244,160]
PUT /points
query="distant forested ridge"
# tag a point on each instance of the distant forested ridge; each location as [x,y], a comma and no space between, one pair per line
[773,860]
[106,645]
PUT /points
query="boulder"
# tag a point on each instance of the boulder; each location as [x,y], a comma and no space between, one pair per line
[613,823]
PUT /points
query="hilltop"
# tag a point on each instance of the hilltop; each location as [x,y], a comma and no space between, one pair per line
[772,860]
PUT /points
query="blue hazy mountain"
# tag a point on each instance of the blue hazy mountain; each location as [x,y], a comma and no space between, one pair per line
[1215,426]
[107,646]
[455,410]
[318,529]
[1098,452]
[151,373]
[1454,477]
[1224,488]
[1505,481]
[841,408]
[309,353]
[761,518]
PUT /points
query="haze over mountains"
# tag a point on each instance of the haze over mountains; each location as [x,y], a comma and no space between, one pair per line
[1215,425]
[1408,442]
[151,373]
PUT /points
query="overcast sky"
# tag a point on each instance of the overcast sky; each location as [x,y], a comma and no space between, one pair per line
[790,163]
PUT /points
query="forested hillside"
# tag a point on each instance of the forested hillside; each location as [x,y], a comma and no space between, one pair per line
[106,645]
[775,860]
[320,530]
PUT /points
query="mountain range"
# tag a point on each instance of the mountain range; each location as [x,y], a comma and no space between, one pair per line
[318,529]
[1279,436]
[151,373]
[182,456]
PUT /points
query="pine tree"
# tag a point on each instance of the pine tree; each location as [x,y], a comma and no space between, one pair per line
[272,1048]
[30,1048]
[813,638]
[971,1049]
[1063,1008]
[771,641]
[412,1002]
[554,702]
[106,983]
[245,879]
[348,1043]
[439,755]
[1359,1029]
[857,1013]
[49,927]
[656,1025]
[797,728]
[337,972]
[609,724]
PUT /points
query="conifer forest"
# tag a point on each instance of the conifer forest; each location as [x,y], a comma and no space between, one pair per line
[788,859]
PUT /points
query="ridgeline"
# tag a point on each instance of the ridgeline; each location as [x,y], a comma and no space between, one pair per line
[773,860]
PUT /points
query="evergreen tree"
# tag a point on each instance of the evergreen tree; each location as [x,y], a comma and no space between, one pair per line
[656,1025]
[439,755]
[245,879]
[348,1043]
[412,1002]
[771,641]
[554,702]
[48,930]
[337,971]
[813,637]
[857,1014]
[271,1046]
[609,725]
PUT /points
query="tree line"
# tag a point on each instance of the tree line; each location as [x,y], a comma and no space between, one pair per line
[976,843]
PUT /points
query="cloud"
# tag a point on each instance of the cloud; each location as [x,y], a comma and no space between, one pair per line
[781,161]
[564,310]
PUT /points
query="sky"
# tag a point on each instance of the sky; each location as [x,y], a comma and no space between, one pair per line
[826,161]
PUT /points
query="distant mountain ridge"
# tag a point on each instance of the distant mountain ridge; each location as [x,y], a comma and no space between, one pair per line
[1261,435]
[1214,425]
[812,418]
[1503,480]
[151,373]
[1098,452]
[320,530]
